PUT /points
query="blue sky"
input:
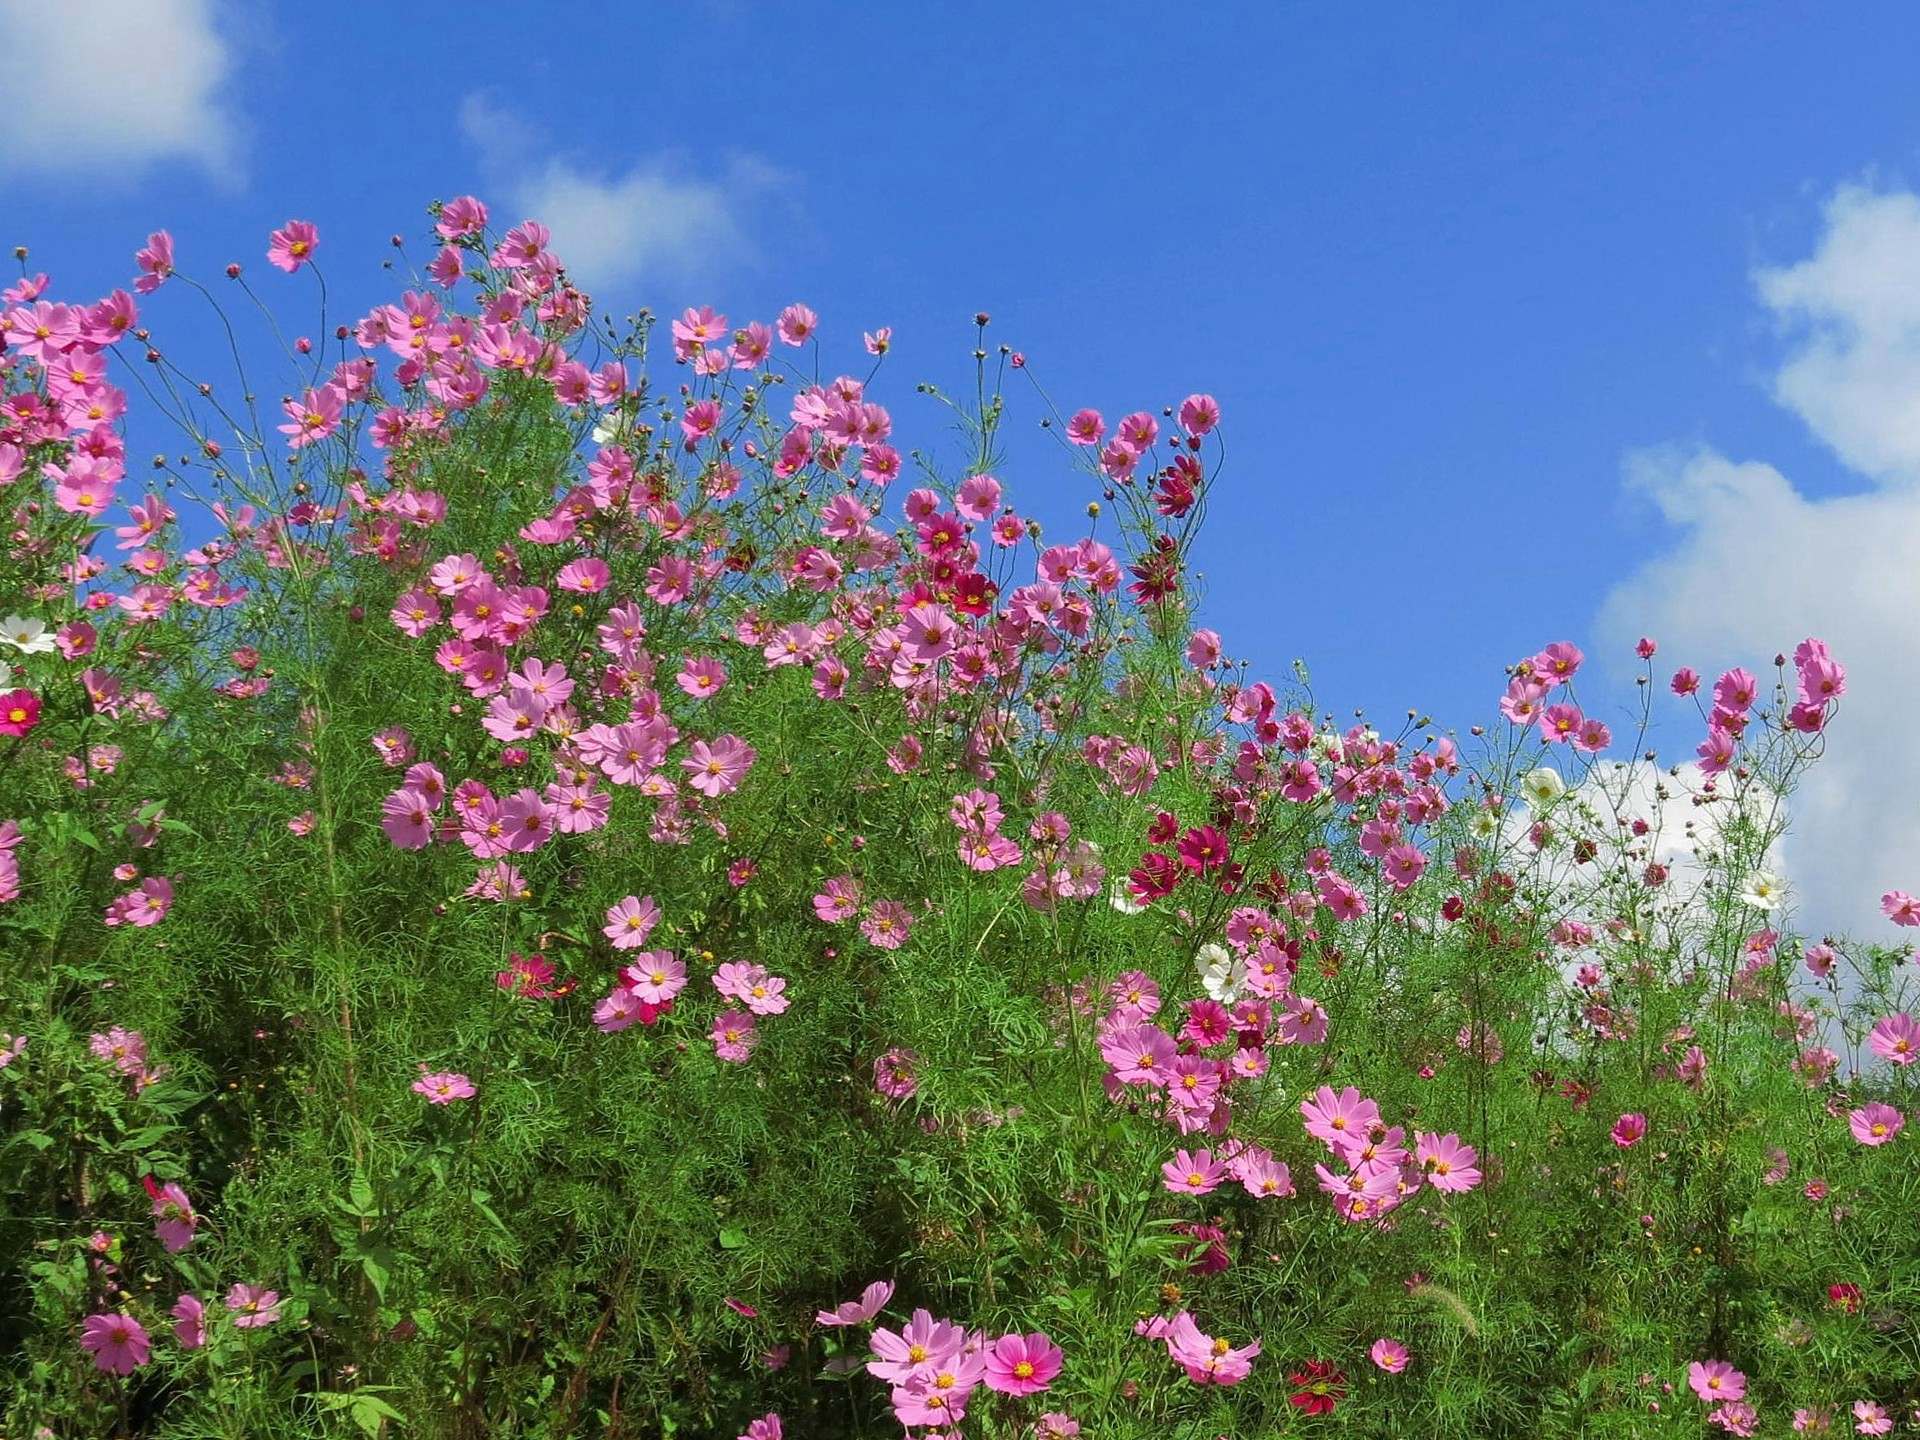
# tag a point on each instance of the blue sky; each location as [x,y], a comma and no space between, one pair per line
[1454,273]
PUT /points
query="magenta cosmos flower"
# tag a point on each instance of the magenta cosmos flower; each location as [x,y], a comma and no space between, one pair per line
[19,712]
[1875,1124]
[189,1322]
[1629,1130]
[1715,1381]
[173,1215]
[1022,1364]
[1389,1355]
[118,1342]
[443,1087]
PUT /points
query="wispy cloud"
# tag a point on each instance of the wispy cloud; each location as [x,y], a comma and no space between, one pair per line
[655,222]
[99,85]
[1759,565]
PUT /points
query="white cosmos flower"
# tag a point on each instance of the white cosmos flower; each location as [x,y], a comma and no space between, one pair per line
[31,636]
[1763,890]
[1544,786]
[1222,975]
[1121,898]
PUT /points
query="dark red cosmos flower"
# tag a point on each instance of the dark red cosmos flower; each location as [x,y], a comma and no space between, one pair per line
[1322,1386]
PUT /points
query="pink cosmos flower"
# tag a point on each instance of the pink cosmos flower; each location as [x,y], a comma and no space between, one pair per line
[1197,1173]
[838,900]
[1629,1130]
[189,1322]
[463,216]
[654,976]
[1871,1419]
[1086,428]
[1207,1360]
[254,1306]
[1022,1364]
[1896,1038]
[1139,1054]
[19,712]
[293,246]
[119,1343]
[1339,1120]
[767,1427]
[630,921]
[1736,1417]
[920,1347]
[893,1074]
[858,1312]
[155,262]
[442,1087]
[702,677]
[1446,1161]
[1389,1355]
[1715,1381]
[717,769]
[314,416]
[733,1035]
[620,1008]
[795,324]
[887,924]
[407,817]
[1875,1124]
[752,986]
[1900,907]
[173,1215]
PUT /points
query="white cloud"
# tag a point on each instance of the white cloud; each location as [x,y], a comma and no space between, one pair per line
[99,85]
[1855,309]
[652,223]
[1759,565]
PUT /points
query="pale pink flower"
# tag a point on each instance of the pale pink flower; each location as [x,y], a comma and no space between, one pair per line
[858,1312]
[1896,1038]
[733,1035]
[253,1306]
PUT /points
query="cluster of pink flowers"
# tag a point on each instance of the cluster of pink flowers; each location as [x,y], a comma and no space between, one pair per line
[885,923]
[1382,1173]
[1720,1385]
[934,1366]
[1207,1359]
[146,904]
[127,1049]
[978,816]
[1822,682]
[1525,702]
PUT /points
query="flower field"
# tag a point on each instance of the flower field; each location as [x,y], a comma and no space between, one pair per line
[560,878]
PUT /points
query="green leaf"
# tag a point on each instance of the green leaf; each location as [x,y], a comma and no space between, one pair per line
[732,1238]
